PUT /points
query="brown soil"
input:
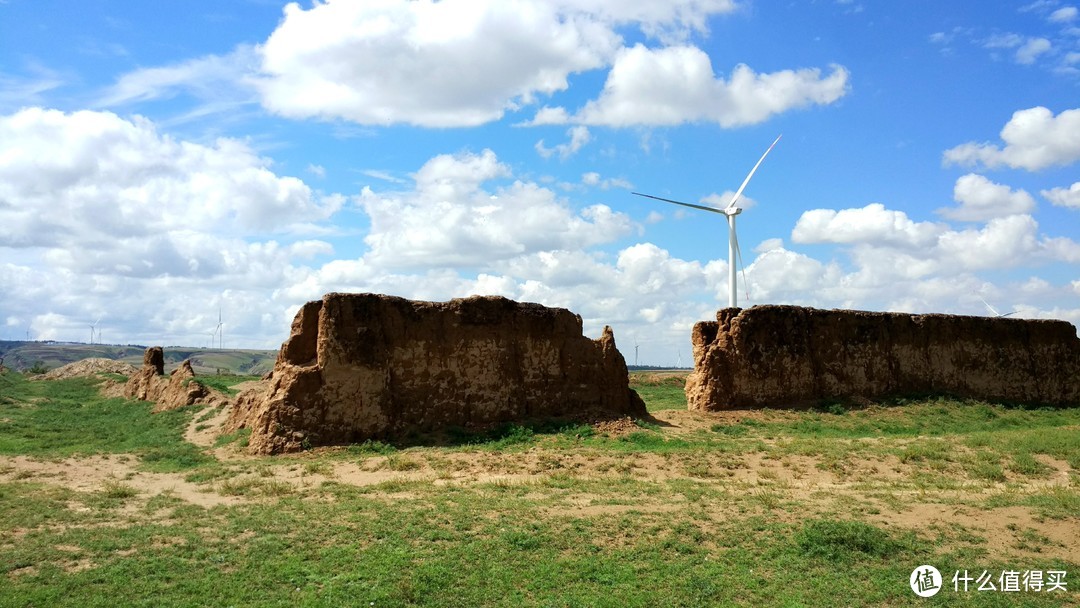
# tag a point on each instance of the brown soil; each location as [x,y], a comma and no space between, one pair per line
[96,473]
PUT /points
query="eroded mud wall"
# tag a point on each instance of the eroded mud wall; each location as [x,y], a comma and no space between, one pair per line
[783,356]
[360,366]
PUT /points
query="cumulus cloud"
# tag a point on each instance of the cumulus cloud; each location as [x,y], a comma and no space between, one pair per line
[451,220]
[95,206]
[981,199]
[1064,197]
[887,245]
[1004,242]
[93,175]
[870,224]
[467,62]
[1034,139]
[436,64]
[676,85]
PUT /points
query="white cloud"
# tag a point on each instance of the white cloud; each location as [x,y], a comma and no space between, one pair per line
[1004,242]
[437,64]
[593,179]
[677,85]
[102,215]
[769,245]
[887,246]
[209,77]
[19,91]
[1034,139]
[579,136]
[780,275]
[93,178]
[459,63]
[468,62]
[451,220]
[1064,197]
[1003,41]
[1065,14]
[870,224]
[1032,49]
[981,199]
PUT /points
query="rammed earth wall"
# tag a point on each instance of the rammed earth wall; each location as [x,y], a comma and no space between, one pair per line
[784,356]
[360,366]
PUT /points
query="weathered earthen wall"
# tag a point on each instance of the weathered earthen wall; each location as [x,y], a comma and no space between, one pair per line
[360,366]
[780,356]
[177,390]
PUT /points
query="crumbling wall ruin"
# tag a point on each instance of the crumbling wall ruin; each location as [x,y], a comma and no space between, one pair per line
[783,356]
[177,390]
[359,366]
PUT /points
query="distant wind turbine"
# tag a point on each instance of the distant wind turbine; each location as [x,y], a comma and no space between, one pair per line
[217,329]
[93,329]
[730,211]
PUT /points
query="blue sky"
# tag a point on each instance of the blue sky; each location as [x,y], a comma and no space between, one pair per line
[159,161]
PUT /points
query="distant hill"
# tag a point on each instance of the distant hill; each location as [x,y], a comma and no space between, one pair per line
[23,355]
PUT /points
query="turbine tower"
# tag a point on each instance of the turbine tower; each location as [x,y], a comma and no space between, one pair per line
[218,328]
[730,211]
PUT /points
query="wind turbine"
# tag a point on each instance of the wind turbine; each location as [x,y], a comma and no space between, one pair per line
[730,211]
[217,329]
[93,328]
[635,352]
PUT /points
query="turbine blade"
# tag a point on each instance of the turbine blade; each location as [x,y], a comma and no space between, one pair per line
[668,200]
[739,192]
[992,310]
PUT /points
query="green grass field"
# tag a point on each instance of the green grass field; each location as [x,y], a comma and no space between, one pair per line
[104,504]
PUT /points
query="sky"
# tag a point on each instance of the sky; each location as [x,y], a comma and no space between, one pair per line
[164,161]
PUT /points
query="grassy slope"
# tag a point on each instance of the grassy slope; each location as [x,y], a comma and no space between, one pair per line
[22,355]
[688,540]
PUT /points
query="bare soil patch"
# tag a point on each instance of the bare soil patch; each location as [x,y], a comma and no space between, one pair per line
[96,473]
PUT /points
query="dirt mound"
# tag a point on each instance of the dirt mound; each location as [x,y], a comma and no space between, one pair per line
[360,366]
[617,427]
[89,367]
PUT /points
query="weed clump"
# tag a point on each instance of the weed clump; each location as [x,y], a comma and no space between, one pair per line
[846,541]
